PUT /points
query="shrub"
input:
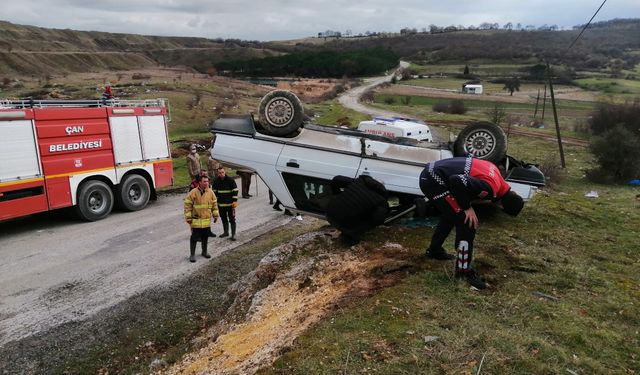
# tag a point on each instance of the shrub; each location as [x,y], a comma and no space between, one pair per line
[405,100]
[389,100]
[441,107]
[615,146]
[455,107]
[608,115]
[496,114]
[616,152]
[552,170]
[367,96]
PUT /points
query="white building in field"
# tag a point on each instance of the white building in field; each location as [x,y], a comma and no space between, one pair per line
[472,89]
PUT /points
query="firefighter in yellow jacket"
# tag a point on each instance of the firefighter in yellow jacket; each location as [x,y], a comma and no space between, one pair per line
[200,206]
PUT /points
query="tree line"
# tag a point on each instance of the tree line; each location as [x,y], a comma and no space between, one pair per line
[326,63]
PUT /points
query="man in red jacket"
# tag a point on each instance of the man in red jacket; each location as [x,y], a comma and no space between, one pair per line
[451,185]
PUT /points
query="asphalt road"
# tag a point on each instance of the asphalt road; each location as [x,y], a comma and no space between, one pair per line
[351,98]
[56,269]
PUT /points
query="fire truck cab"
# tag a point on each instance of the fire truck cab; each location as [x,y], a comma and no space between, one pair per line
[88,154]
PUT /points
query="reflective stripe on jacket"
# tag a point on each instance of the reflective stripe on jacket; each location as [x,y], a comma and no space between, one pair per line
[226,191]
[200,207]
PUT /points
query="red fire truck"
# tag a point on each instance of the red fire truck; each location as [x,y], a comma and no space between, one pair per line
[87,154]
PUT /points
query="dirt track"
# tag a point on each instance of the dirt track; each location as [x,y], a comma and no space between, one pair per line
[517,97]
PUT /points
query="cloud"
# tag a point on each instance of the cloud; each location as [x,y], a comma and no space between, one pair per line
[289,19]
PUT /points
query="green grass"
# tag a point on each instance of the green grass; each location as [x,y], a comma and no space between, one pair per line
[582,251]
[488,87]
[611,85]
[486,104]
[475,68]
[572,115]
[333,113]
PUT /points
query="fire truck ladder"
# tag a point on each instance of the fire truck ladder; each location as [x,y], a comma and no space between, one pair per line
[91,103]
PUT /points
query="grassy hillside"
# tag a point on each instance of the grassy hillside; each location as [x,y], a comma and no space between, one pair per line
[29,50]
[595,50]
[564,295]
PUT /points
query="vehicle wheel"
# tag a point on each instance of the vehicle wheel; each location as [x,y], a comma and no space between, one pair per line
[95,200]
[281,113]
[482,140]
[133,193]
[421,208]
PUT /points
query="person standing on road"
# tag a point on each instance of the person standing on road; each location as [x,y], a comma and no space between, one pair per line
[451,185]
[212,166]
[193,162]
[200,206]
[226,190]
[245,181]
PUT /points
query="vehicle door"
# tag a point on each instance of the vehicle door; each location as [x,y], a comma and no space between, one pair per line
[398,167]
[308,163]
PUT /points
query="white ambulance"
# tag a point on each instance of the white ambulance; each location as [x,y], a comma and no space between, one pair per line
[397,127]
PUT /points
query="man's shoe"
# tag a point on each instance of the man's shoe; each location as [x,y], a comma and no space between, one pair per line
[223,235]
[211,234]
[288,213]
[232,238]
[246,196]
[206,255]
[192,259]
[277,207]
[472,278]
[439,254]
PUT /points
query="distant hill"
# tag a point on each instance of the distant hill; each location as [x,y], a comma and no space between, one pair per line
[30,50]
[601,42]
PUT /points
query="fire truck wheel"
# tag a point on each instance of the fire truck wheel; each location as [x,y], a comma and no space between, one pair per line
[95,200]
[281,113]
[133,193]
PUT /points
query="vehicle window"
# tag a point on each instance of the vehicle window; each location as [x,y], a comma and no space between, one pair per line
[309,193]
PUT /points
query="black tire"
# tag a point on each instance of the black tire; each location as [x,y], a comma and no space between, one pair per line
[133,193]
[95,200]
[483,140]
[421,208]
[281,113]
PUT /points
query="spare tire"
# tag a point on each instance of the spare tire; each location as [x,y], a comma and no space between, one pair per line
[281,113]
[482,140]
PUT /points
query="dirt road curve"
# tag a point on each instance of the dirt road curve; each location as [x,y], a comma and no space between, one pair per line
[55,270]
[351,100]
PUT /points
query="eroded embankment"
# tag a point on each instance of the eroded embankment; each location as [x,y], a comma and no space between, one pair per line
[305,280]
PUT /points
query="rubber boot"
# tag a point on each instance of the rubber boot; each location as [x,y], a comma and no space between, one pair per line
[233,232]
[225,228]
[204,250]
[192,258]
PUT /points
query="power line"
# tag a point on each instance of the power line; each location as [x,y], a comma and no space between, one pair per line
[585,26]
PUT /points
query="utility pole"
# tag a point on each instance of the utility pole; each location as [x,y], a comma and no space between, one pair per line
[535,112]
[544,102]
[555,117]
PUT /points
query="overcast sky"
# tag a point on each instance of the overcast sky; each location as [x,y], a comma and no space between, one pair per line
[292,19]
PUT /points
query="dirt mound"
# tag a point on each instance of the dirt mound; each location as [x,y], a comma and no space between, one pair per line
[288,293]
